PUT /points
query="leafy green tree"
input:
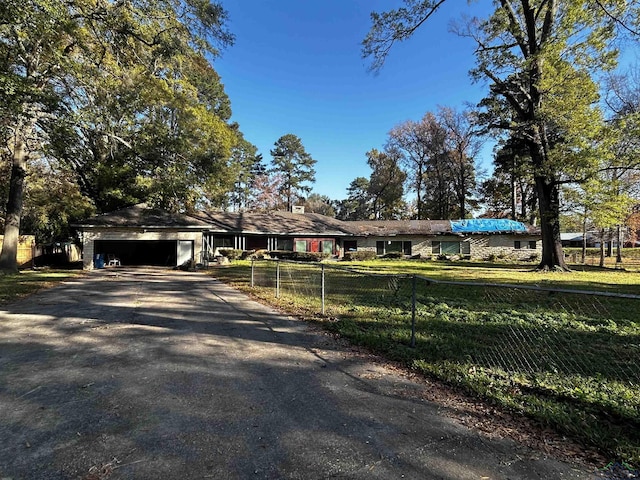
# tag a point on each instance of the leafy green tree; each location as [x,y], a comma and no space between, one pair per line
[296,167]
[605,205]
[511,188]
[316,203]
[247,165]
[538,58]
[52,202]
[386,186]
[357,205]
[58,59]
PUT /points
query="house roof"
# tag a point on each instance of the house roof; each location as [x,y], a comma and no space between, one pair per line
[288,223]
[143,216]
[488,225]
[440,227]
[575,236]
[285,223]
[274,223]
[401,227]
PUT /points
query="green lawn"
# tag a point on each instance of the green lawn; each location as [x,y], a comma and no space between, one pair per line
[582,277]
[13,287]
[570,361]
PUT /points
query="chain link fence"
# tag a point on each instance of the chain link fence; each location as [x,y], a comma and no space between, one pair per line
[570,358]
[507,328]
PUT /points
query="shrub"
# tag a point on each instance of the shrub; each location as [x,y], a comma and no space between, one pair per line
[359,256]
[230,253]
[281,254]
[394,255]
[255,254]
[294,256]
[309,256]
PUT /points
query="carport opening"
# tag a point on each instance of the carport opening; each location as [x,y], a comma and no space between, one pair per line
[139,252]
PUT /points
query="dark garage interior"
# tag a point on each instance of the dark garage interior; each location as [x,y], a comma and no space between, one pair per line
[139,252]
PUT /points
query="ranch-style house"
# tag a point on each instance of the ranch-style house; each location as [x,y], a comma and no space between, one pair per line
[140,235]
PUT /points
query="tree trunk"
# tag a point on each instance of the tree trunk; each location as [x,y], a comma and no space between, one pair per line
[9,254]
[514,215]
[419,200]
[584,240]
[549,208]
[619,246]
[602,248]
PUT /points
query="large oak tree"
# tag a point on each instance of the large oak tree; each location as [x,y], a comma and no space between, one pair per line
[538,57]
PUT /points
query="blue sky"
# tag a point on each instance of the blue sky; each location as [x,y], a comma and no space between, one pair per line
[296,67]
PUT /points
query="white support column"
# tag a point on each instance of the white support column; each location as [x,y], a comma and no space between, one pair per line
[87,251]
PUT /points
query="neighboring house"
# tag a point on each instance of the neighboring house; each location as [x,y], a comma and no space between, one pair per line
[574,239]
[143,236]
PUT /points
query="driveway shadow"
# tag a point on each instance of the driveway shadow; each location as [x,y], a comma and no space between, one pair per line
[154,374]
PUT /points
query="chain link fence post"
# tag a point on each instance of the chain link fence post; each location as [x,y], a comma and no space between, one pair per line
[322,287]
[277,278]
[413,311]
[252,273]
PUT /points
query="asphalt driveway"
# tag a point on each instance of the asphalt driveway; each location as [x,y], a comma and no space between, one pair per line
[152,374]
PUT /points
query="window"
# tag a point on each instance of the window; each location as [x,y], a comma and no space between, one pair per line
[350,245]
[517,245]
[327,246]
[391,246]
[220,241]
[445,248]
[532,244]
[451,248]
[284,244]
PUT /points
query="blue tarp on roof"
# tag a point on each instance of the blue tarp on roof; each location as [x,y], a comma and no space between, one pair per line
[487,225]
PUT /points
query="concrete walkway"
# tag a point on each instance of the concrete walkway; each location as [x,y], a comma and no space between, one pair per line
[152,374]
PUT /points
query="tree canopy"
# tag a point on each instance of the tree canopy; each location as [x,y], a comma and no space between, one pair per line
[121,97]
[295,166]
[539,58]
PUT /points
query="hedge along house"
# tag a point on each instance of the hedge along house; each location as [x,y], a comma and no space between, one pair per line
[474,238]
[140,235]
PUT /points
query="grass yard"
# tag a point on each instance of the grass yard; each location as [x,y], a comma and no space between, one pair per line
[13,287]
[570,361]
